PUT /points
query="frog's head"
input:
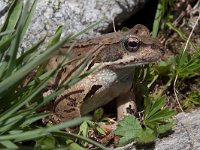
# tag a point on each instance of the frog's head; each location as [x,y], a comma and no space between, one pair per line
[132,48]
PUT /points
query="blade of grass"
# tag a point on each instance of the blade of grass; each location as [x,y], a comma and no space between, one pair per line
[33,134]
[65,134]
[6,32]
[20,120]
[52,42]
[32,92]
[12,16]
[24,100]
[46,74]
[8,144]
[28,18]
[4,44]
[12,53]
[157,19]
[25,113]
[180,33]
[56,37]
[2,69]
[22,72]
[66,85]
[33,118]
[12,123]
[157,105]
[29,51]
[21,103]
[18,75]
[80,67]
[10,23]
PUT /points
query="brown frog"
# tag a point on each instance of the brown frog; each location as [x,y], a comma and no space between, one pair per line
[115,55]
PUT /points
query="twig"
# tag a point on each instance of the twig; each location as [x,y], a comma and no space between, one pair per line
[174,88]
[186,45]
[113,20]
[175,93]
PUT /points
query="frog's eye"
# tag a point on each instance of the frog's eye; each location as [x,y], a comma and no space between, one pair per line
[131,43]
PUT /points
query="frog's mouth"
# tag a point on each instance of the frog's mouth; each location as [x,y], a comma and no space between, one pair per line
[133,62]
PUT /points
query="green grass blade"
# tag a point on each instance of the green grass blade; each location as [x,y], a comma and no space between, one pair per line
[20,120]
[6,32]
[28,18]
[46,74]
[21,73]
[180,33]
[157,19]
[157,105]
[33,134]
[18,75]
[12,16]
[12,53]
[24,100]
[34,118]
[11,123]
[2,69]
[5,43]
[29,51]
[56,37]
[65,134]
[8,144]
[19,104]
[52,42]
[74,146]
[10,24]
[76,78]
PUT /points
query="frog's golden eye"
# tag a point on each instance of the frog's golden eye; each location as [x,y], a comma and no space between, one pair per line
[131,43]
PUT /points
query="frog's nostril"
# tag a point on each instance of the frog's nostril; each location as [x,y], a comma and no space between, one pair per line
[154,46]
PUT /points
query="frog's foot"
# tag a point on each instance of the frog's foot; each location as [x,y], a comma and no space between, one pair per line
[126,105]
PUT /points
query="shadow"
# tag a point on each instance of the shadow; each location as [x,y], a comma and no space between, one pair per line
[150,146]
[166,134]
[144,16]
[5,9]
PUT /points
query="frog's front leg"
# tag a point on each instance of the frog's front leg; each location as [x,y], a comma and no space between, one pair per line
[126,104]
[66,106]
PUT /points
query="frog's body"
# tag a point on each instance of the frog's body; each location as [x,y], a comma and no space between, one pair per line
[116,55]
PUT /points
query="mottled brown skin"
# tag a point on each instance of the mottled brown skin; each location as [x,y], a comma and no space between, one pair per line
[113,76]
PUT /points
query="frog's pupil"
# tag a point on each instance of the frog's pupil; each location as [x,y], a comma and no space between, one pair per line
[133,44]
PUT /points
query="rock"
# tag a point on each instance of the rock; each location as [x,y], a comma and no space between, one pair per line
[185,135]
[76,15]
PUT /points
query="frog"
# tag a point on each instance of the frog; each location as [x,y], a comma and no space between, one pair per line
[114,57]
